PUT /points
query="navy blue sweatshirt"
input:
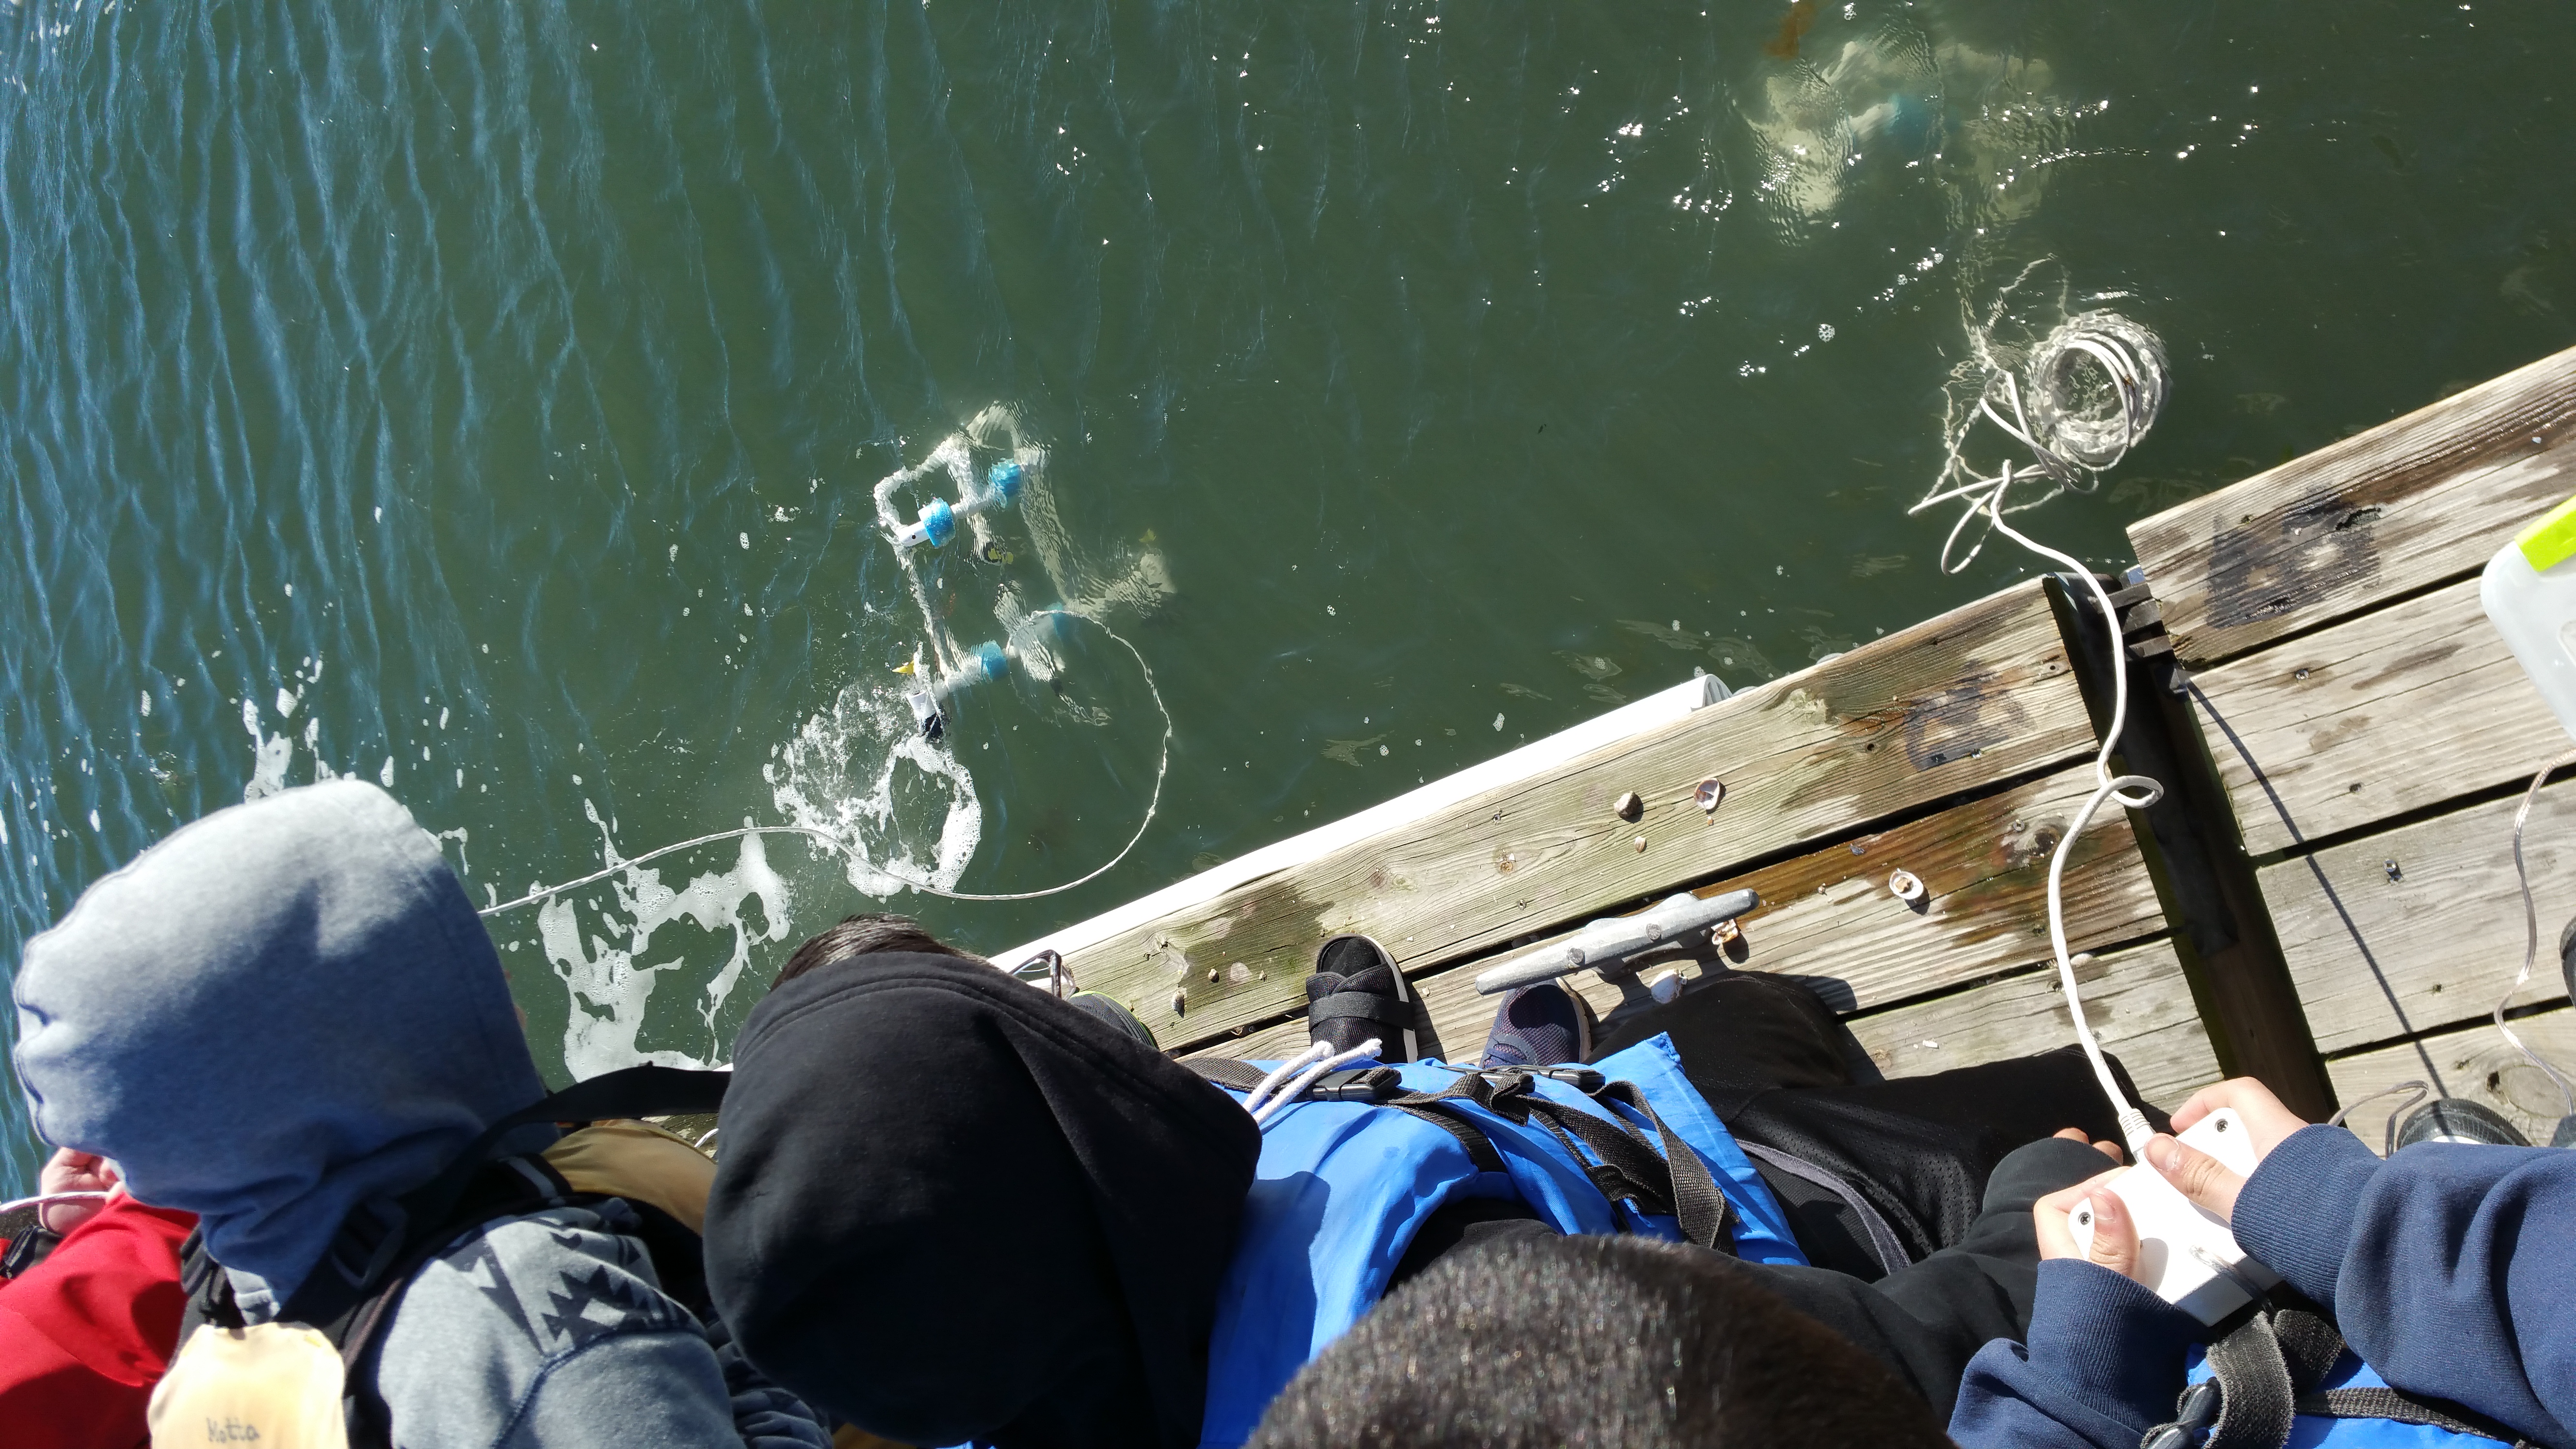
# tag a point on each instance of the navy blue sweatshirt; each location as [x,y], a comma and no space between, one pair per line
[2451,1270]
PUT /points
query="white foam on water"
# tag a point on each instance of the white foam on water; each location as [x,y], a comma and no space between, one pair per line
[839,773]
[270,755]
[608,981]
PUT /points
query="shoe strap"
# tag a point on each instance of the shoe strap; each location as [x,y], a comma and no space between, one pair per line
[1362,1006]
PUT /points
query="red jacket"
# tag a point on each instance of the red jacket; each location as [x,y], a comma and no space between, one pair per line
[85,1334]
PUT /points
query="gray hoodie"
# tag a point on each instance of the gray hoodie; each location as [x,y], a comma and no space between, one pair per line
[288,1011]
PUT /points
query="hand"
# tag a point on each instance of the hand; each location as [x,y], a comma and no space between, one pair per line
[2115,1237]
[72,1171]
[2196,1174]
[2110,1150]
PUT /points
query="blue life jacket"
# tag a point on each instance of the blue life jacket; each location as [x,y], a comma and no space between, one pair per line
[1343,1186]
[2360,1420]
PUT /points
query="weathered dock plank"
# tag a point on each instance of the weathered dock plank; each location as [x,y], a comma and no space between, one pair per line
[2473,1062]
[2420,927]
[2347,528]
[2138,1002]
[1828,917]
[1978,696]
[2390,712]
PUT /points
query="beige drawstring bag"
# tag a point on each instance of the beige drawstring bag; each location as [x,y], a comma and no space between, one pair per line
[269,1386]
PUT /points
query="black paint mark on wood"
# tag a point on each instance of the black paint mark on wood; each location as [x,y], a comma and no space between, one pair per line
[2273,566]
[1975,714]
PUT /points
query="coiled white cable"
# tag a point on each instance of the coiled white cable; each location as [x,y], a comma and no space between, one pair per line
[2071,453]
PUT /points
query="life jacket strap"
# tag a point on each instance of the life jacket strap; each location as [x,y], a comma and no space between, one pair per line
[1663,1176]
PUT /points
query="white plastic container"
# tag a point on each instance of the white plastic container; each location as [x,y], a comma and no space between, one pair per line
[2530,594]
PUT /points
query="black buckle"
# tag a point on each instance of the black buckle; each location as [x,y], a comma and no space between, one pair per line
[1357,1084]
[28,1249]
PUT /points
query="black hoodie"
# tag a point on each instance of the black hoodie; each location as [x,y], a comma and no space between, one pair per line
[952,1207]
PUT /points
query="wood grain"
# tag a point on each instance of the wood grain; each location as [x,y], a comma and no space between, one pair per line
[2473,1062]
[1828,917]
[2377,958]
[1976,696]
[2138,1003]
[2427,497]
[2387,713]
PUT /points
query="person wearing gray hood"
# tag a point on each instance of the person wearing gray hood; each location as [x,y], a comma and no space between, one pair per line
[286,1017]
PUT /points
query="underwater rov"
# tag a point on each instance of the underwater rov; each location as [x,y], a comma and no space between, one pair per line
[938,521]
[982,664]
[976,501]
[951,671]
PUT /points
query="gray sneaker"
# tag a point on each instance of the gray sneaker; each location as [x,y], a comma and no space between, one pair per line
[1539,1026]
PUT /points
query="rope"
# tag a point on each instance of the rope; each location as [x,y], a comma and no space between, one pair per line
[2071,450]
[1162,767]
[1311,1065]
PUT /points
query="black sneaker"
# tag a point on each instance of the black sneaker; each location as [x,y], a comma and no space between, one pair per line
[1109,1010]
[1355,994]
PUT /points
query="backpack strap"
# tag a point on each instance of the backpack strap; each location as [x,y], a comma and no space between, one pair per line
[2406,1408]
[350,1295]
[507,1187]
[2255,1398]
[2266,1370]
[1382,1086]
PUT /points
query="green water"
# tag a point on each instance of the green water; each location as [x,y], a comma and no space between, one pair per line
[487,398]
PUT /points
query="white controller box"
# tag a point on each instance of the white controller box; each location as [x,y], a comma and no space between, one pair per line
[2186,1256]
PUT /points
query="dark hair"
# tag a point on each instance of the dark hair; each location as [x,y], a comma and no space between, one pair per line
[866,934]
[1539,1342]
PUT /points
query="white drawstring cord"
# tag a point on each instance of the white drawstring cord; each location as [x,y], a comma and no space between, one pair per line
[1317,1061]
[1252,1100]
[44,1200]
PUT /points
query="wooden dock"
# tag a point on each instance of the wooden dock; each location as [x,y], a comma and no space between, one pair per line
[2325,898]
[2372,732]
